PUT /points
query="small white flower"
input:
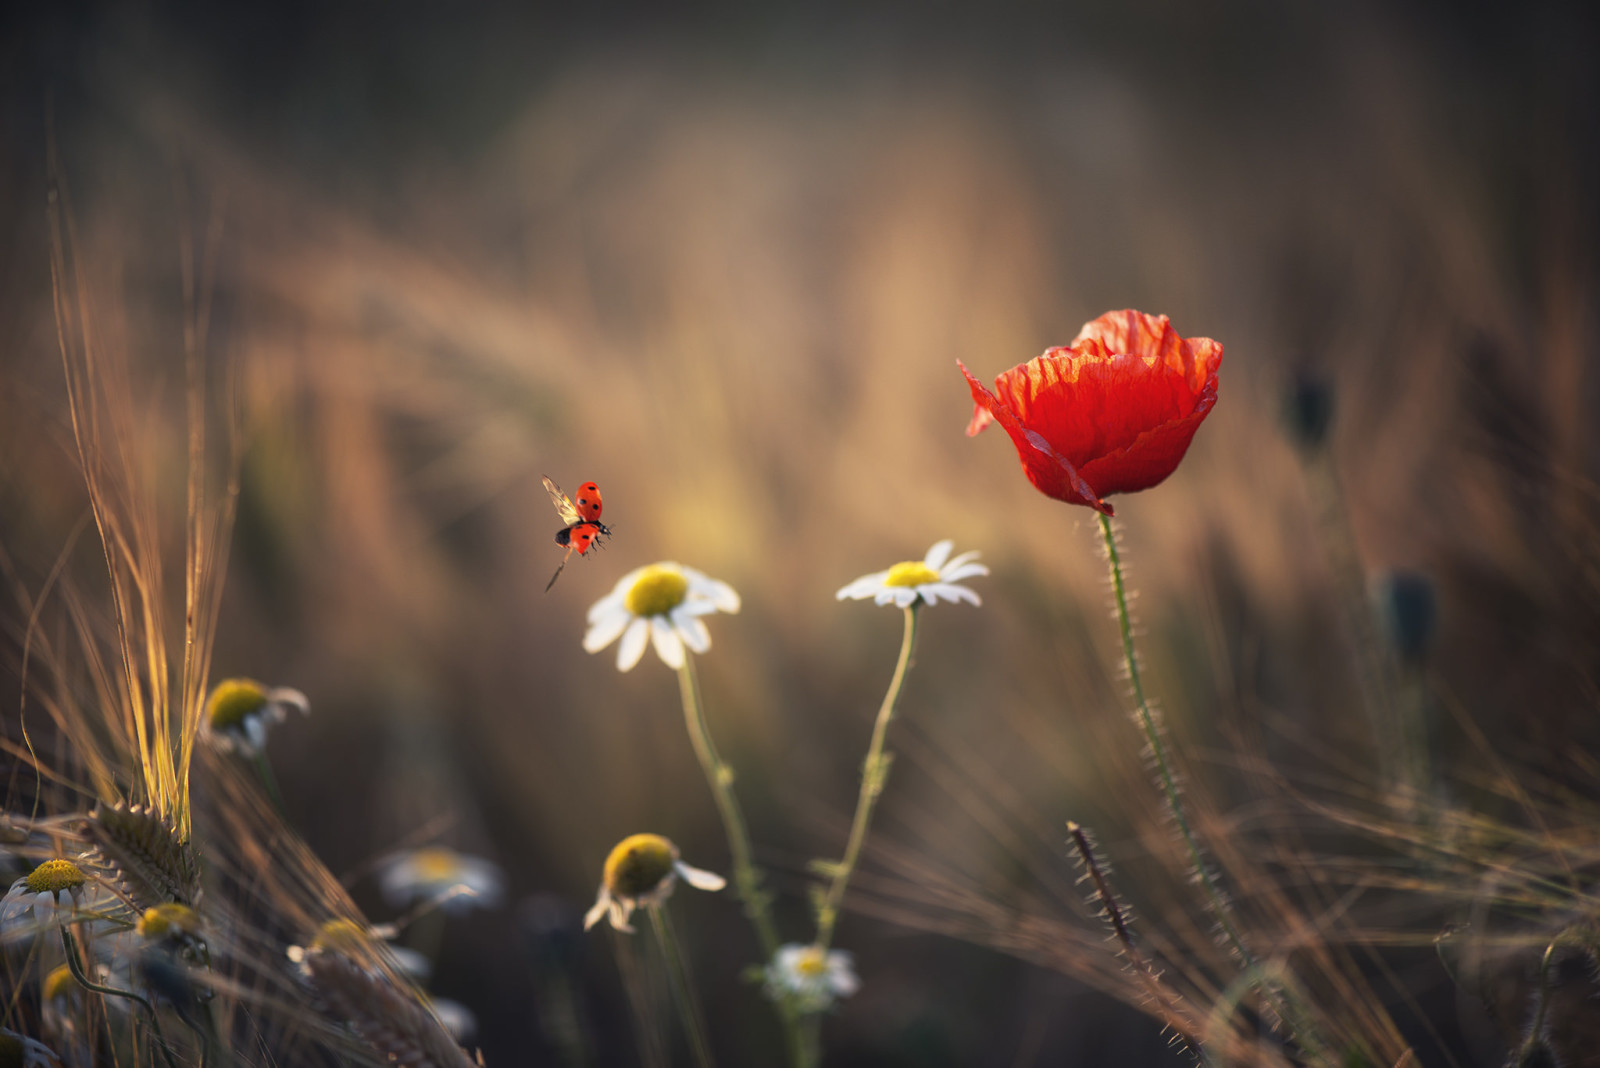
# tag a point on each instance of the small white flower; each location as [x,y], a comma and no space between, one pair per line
[240,711]
[51,893]
[660,603]
[935,576]
[641,871]
[25,1052]
[813,977]
[425,874]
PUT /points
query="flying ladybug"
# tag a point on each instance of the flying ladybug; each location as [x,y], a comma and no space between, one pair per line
[583,528]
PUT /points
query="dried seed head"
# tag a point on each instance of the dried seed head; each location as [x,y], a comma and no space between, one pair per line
[155,864]
[390,1019]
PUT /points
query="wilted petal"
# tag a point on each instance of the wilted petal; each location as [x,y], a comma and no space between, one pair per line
[699,878]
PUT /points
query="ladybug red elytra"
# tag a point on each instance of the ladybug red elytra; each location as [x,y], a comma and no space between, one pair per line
[583,528]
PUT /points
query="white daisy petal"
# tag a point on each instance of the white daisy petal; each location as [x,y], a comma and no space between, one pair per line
[723,596]
[885,595]
[863,587]
[634,640]
[698,877]
[951,565]
[964,571]
[669,647]
[605,630]
[938,554]
[615,601]
[841,977]
[287,697]
[602,905]
[905,596]
[692,631]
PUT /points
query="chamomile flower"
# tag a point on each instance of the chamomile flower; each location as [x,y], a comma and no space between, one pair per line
[814,977]
[240,711]
[425,874]
[25,1052]
[660,603]
[934,576]
[51,893]
[641,871]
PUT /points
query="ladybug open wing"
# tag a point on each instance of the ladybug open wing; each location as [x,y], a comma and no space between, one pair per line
[569,514]
[589,502]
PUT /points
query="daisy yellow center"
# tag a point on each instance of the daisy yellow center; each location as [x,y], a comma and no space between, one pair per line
[435,865]
[657,591]
[233,700]
[341,936]
[171,918]
[911,573]
[54,876]
[59,983]
[812,964]
[638,865]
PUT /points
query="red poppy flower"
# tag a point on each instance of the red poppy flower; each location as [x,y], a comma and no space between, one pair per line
[1113,412]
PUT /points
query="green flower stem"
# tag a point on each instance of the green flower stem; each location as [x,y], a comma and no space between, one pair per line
[682,987]
[874,772]
[1294,1019]
[269,782]
[746,876]
[76,967]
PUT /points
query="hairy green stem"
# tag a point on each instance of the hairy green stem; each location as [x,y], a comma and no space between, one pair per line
[746,876]
[682,986]
[874,772]
[76,967]
[1294,1018]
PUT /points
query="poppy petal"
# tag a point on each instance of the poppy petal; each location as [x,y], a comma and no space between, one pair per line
[1050,472]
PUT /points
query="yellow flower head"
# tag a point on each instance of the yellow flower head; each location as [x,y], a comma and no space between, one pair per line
[641,871]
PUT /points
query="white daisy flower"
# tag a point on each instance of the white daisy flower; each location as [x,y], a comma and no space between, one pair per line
[931,578]
[51,893]
[24,1051]
[815,978]
[425,874]
[661,603]
[240,711]
[641,871]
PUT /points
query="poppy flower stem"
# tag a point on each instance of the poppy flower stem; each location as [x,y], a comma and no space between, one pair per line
[746,876]
[682,988]
[1294,1018]
[874,772]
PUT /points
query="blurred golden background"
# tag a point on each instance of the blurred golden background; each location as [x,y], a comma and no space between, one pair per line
[723,265]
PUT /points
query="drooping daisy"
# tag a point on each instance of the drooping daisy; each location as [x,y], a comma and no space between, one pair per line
[931,578]
[661,603]
[240,711]
[50,893]
[24,1051]
[815,978]
[425,874]
[641,871]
